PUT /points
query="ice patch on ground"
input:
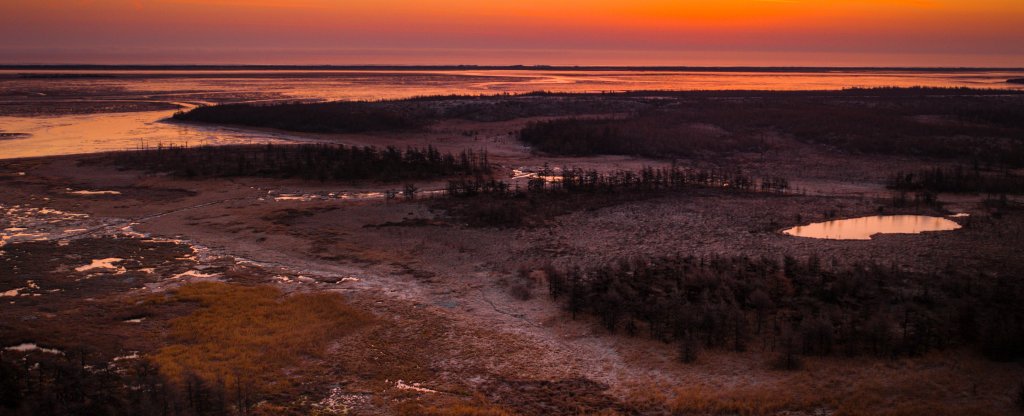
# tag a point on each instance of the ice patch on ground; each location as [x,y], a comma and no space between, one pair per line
[130,232]
[348,196]
[11,293]
[196,274]
[29,285]
[401,385]
[20,223]
[107,264]
[91,193]
[134,355]
[28,346]
[549,175]
[339,402]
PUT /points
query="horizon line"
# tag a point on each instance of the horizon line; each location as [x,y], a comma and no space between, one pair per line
[535,67]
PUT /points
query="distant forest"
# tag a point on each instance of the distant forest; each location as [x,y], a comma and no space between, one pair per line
[337,117]
[397,115]
[985,126]
[958,179]
[913,122]
[306,161]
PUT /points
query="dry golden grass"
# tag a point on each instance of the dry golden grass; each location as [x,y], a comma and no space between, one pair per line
[930,387]
[950,383]
[457,410]
[248,336]
[477,406]
[765,401]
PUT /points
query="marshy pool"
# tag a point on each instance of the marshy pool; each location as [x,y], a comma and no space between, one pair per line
[864,228]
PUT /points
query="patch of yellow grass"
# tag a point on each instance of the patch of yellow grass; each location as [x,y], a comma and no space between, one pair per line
[248,336]
[929,387]
[460,409]
[743,402]
[949,383]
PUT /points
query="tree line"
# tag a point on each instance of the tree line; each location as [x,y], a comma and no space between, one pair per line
[656,134]
[674,176]
[404,114]
[966,125]
[306,161]
[68,385]
[333,117]
[487,202]
[796,307]
[958,179]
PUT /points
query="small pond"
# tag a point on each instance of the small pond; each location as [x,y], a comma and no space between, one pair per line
[865,227]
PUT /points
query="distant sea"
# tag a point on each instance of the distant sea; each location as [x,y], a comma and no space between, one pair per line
[49,131]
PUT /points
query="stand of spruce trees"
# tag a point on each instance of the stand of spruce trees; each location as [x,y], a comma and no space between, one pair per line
[493,203]
[797,308]
[958,179]
[306,161]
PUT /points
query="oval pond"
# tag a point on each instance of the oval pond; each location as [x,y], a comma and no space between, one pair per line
[864,228]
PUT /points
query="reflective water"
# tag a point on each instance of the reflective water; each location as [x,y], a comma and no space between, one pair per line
[101,264]
[91,133]
[865,227]
[23,223]
[46,123]
[207,86]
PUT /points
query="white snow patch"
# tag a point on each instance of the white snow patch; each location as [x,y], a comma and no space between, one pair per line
[339,402]
[26,347]
[101,264]
[401,385]
[11,293]
[293,197]
[134,355]
[196,274]
[88,193]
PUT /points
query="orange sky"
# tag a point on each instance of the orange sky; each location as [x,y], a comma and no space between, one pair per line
[586,32]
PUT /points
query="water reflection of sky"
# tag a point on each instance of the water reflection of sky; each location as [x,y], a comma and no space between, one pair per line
[115,131]
[865,227]
[69,134]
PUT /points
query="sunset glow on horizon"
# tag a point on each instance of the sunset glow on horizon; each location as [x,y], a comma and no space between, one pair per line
[566,32]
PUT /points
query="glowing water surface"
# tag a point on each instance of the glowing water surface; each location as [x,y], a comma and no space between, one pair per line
[49,134]
[91,133]
[865,227]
